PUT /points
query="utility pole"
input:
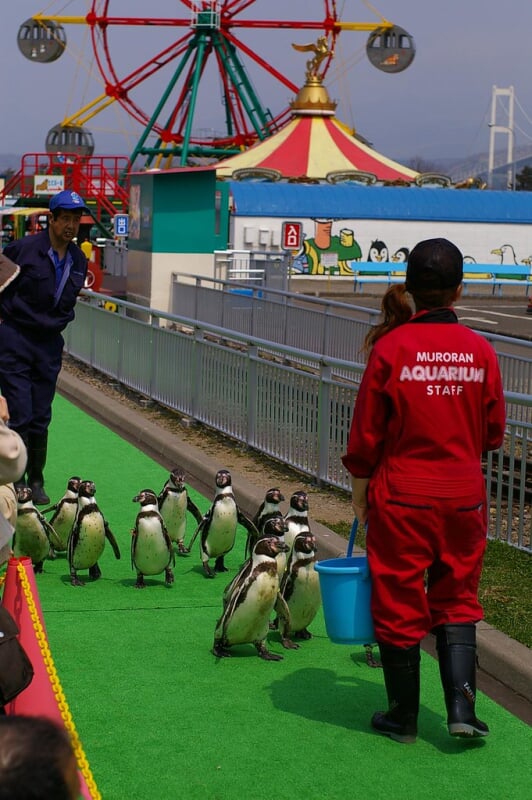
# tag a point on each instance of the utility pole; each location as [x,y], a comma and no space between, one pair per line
[508,130]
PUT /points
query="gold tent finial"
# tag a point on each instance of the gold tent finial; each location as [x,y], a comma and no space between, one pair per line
[321,52]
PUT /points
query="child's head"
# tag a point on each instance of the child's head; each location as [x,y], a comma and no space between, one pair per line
[37,761]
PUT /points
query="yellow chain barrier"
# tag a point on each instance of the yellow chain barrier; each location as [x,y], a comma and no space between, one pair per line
[62,704]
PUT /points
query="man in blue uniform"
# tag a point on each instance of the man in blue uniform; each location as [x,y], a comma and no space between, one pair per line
[34,309]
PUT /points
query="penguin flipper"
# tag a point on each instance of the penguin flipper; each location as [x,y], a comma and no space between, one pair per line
[50,508]
[112,541]
[194,510]
[247,523]
[134,534]
[198,530]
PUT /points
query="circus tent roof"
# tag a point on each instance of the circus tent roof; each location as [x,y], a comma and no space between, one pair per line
[315,144]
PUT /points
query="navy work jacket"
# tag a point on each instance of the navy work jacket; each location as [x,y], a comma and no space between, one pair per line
[29,302]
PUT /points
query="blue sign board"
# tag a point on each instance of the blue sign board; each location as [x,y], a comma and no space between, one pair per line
[121,224]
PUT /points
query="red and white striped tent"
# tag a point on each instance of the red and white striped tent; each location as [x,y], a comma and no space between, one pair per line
[313,145]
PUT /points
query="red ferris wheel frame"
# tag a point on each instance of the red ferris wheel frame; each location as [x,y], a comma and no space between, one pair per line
[212,29]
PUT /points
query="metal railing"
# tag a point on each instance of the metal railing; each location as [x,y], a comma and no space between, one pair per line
[260,394]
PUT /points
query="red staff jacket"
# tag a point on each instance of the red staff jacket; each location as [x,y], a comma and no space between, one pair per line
[430,402]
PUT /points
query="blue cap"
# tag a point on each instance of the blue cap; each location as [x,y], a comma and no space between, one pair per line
[67,199]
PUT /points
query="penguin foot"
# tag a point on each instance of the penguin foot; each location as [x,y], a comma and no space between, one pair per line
[265,653]
[37,567]
[95,572]
[302,634]
[168,577]
[219,565]
[182,549]
[221,652]
[209,573]
[288,644]
[75,581]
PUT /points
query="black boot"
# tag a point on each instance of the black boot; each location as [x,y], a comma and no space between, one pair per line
[401,678]
[37,448]
[457,649]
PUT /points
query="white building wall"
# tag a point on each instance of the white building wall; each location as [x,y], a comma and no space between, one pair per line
[162,267]
[475,240]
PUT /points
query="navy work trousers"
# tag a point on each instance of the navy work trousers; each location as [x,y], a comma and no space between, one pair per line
[29,367]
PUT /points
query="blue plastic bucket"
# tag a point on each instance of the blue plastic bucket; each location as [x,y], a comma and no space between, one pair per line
[345,591]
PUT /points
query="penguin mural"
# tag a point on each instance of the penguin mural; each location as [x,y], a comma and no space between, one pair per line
[87,540]
[269,508]
[174,502]
[152,550]
[297,517]
[217,528]
[65,511]
[33,535]
[248,606]
[401,256]
[300,589]
[378,251]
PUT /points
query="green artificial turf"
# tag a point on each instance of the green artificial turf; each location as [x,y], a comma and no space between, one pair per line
[161,718]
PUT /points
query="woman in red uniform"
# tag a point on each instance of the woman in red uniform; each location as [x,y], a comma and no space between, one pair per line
[429,404]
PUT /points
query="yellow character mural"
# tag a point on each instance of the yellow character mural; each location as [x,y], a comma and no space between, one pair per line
[324,243]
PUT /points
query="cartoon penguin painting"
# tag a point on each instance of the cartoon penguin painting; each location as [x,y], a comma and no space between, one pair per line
[65,511]
[249,604]
[401,256]
[218,527]
[378,251]
[87,540]
[300,589]
[33,535]
[152,551]
[269,508]
[174,502]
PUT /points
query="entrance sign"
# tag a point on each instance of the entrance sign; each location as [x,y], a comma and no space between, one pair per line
[291,235]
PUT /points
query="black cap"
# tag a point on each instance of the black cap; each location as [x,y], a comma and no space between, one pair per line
[434,264]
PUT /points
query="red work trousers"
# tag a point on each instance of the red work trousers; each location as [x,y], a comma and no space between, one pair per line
[425,559]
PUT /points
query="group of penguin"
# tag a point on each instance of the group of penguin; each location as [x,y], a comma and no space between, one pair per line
[277,578]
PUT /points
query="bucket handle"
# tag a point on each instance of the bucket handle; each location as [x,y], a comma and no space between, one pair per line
[352,536]
[351,544]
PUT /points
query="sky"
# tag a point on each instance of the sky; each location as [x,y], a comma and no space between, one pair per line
[440,107]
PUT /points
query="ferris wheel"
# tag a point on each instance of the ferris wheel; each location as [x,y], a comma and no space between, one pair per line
[190,79]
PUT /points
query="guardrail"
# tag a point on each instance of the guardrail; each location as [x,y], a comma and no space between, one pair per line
[258,393]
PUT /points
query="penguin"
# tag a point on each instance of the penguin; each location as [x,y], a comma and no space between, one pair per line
[300,589]
[89,532]
[218,526]
[173,502]
[247,608]
[297,516]
[152,550]
[65,514]
[270,507]
[33,533]
[276,526]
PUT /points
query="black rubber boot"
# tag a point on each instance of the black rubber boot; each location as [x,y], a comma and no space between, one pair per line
[37,449]
[401,678]
[457,651]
